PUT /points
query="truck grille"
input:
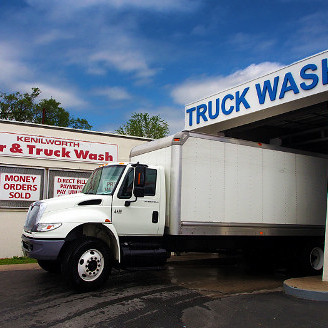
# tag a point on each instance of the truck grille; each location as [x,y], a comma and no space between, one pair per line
[32,216]
[27,246]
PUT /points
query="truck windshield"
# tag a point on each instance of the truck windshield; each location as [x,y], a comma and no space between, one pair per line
[103,180]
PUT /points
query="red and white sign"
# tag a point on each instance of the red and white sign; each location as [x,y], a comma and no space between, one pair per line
[67,186]
[23,145]
[15,186]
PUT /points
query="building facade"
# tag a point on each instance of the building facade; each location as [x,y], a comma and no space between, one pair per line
[38,162]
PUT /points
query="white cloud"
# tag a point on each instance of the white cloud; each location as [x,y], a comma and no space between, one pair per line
[51,36]
[194,89]
[173,116]
[153,5]
[113,93]
[199,30]
[122,60]
[104,39]
[65,96]
[114,48]
[12,68]
[166,5]
[251,43]
[108,128]
[16,75]
[310,36]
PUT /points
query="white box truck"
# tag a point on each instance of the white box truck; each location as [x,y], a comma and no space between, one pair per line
[187,192]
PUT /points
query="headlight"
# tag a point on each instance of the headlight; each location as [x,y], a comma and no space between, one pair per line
[34,215]
[43,227]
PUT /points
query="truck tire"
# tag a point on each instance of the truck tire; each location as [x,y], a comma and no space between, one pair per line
[50,266]
[316,258]
[312,259]
[86,264]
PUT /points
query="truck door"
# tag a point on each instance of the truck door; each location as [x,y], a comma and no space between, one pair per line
[141,217]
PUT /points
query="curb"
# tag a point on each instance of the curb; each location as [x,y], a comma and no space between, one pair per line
[19,267]
[309,288]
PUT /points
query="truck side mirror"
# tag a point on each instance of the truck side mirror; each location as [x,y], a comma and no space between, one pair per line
[139,181]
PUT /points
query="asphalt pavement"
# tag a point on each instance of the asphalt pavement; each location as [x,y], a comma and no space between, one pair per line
[194,292]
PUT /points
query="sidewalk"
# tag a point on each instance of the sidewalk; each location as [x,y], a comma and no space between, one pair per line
[20,267]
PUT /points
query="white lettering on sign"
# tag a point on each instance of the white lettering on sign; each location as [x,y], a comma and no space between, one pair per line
[18,145]
[68,186]
[15,186]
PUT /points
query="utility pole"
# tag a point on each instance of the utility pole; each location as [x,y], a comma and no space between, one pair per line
[43,115]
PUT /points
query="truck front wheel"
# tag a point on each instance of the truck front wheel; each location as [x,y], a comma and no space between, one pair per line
[86,264]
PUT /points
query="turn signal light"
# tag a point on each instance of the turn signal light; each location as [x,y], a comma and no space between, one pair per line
[43,227]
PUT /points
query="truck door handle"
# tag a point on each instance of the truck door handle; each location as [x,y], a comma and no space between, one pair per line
[155,217]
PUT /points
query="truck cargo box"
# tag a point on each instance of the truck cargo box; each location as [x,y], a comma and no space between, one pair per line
[231,187]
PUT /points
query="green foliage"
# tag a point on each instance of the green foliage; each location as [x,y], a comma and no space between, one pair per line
[17,260]
[144,125]
[54,114]
[23,108]
[17,106]
[80,123]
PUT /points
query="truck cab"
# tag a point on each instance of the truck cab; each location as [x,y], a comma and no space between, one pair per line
[118,219]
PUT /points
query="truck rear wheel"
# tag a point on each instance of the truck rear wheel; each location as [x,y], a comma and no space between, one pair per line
[312,259]
[316,258]
[86,264]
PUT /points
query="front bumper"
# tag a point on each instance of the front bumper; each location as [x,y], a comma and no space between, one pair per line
[41,249]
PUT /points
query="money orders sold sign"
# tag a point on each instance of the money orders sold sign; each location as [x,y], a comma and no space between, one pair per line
[15,186]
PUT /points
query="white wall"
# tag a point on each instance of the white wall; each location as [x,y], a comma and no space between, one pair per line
[11,228]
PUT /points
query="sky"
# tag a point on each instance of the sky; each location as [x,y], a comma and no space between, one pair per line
[106,59]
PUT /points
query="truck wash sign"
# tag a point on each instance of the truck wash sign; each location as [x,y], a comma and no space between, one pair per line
[15,186]
[67,185]
[40,147]
[299,80]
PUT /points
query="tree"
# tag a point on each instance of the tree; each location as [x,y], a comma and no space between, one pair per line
[80,123]
[23,108]
[144,125]
[54,114]
[17,106]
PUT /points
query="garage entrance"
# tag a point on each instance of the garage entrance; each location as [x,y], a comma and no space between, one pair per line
[303,129]
[287,108]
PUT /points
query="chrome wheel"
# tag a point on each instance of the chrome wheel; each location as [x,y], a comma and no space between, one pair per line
[86,263]
[91,265]
[316,258]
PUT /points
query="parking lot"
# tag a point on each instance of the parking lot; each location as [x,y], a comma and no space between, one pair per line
[192,291]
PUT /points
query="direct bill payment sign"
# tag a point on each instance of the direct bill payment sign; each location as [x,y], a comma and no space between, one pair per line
[68,185]
[15,186]
[22,145]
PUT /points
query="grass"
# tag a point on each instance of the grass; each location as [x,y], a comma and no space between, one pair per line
[17,260]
